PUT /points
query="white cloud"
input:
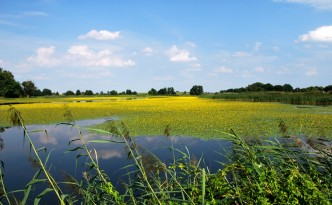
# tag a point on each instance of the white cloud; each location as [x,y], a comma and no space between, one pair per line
[164,78]
[318,4]
[257,46]
[246,74]
[100,35]
[311,72]
[241,54]
[179,55]
[35,13]
[276,48]
[81,51]
[196,66]
[224,69]
[108,154]
[148,51]
[81,55]
[299,69]
[259,70]
[191,44]
[44,57]
[40,77]
[321,34]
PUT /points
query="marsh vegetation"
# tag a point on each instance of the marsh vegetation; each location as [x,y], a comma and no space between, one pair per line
[276,170]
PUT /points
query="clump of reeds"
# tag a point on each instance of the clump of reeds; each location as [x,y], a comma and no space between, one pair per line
[273,171]
[282,97]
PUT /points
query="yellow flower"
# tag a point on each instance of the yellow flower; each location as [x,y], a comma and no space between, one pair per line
[181,166]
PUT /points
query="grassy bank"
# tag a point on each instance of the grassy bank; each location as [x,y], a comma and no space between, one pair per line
[186,116]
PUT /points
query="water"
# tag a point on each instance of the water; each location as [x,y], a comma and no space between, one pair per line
[19,166]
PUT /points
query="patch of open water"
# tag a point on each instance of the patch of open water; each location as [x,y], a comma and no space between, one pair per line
[19,166]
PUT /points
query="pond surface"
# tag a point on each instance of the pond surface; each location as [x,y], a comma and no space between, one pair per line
[19,166]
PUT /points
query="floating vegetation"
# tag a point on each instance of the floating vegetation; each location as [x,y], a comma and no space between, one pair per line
[187,116]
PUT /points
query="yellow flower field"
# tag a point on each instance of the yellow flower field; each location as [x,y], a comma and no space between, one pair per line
[186,116]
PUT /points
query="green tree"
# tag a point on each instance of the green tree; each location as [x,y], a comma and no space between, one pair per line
[268,87]
[171,91]
[88,92]
[196,90]
[287,88]
[46,91]
[153,92]
[256,87]
[69,92]
[29,88]
[37,92]
[9,87]
[113,92]
[328,88]
[162,91]
[315,89]
[278,88]
[78,92]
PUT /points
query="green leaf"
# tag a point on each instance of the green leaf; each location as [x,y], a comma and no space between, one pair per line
[42,148]
[43,193]
[98,130]
[35,181]
[75,149]
[33,131]
[105,141]
[73,141]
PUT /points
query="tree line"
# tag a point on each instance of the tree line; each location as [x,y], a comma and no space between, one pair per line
[258,87]
[10,88]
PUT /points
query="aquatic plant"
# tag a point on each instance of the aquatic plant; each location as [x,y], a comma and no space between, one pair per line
[187,116]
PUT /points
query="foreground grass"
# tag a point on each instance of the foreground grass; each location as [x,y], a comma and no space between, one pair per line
[187,116]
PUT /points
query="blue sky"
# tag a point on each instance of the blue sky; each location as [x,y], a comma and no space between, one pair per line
[106,44]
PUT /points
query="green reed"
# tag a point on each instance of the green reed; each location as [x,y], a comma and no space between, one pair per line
[282,97]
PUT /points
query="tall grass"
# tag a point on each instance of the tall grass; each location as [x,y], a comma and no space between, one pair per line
[274,171]
[285,170]
[309,98]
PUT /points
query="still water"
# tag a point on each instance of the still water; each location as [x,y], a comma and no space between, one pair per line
[19,166]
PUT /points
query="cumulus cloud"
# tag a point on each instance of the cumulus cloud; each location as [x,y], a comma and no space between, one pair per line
[179,55]
[321,34]
[100,35]
[81,55]
[44,57]
[318,4]
[224,69]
